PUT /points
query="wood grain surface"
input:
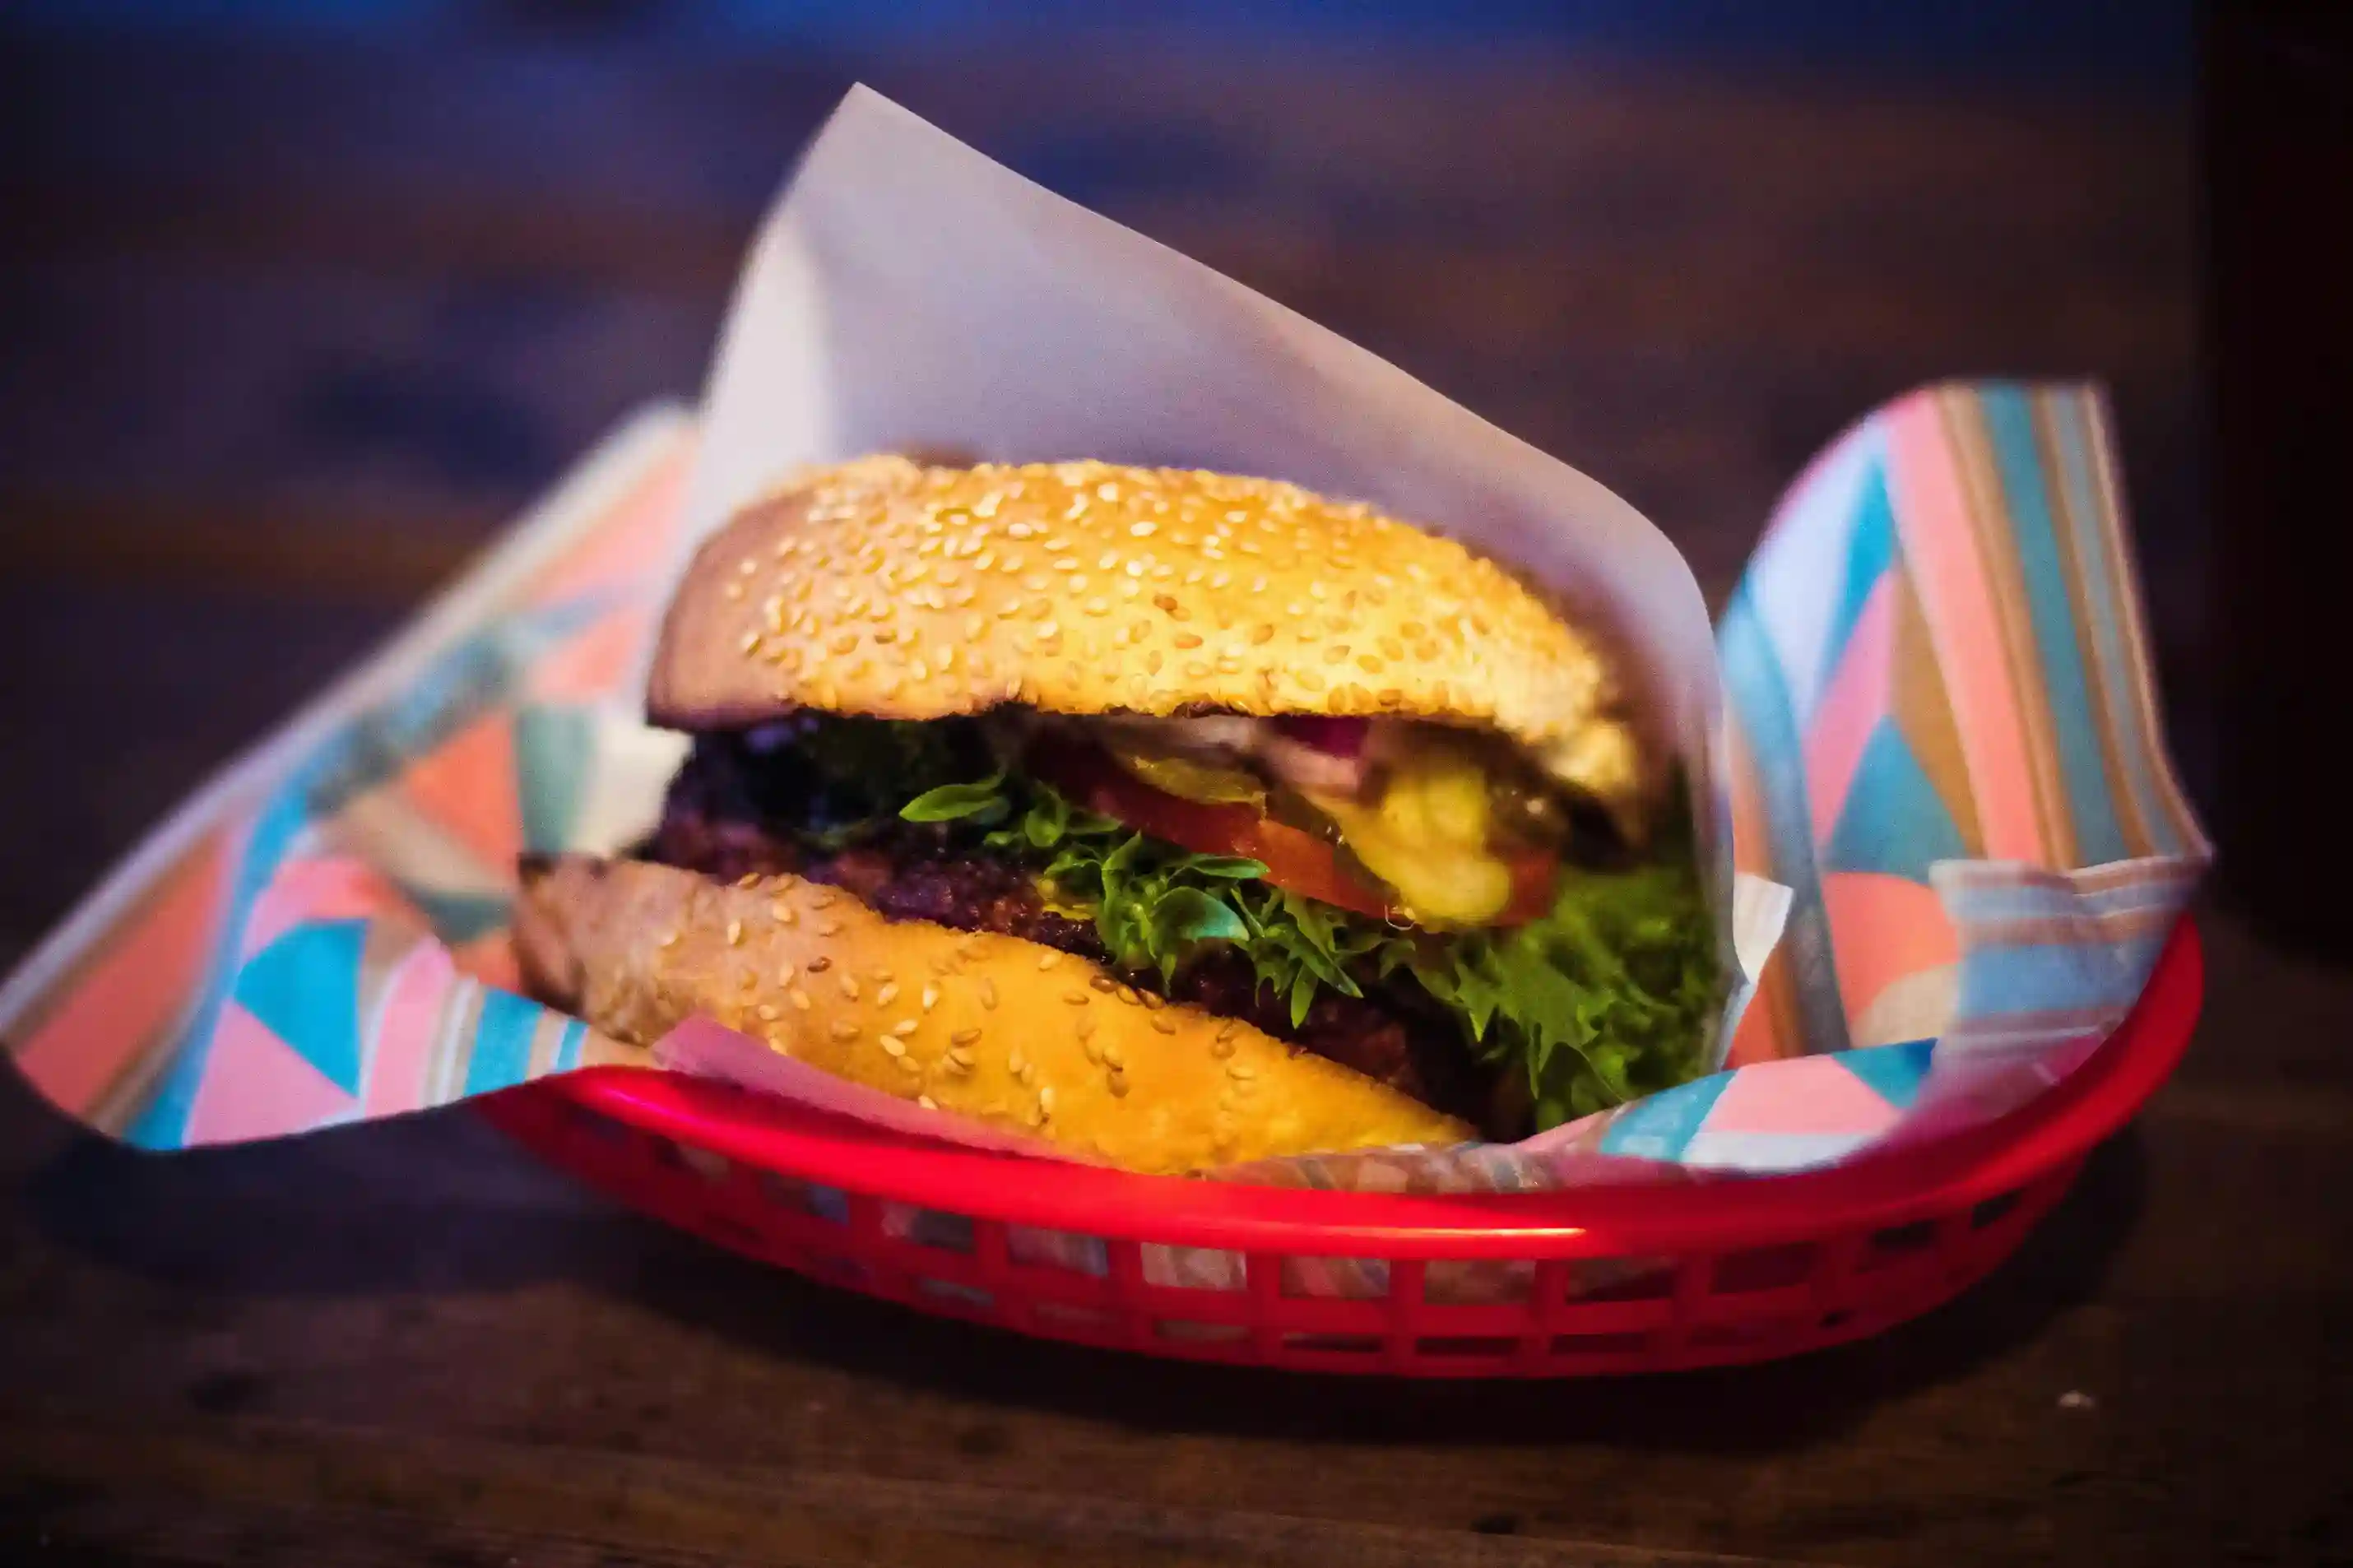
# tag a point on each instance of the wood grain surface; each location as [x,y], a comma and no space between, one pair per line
[292,326]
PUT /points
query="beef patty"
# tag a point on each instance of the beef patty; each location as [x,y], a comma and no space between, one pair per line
[725,819]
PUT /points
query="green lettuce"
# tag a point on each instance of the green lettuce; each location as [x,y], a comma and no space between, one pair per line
[1609,997]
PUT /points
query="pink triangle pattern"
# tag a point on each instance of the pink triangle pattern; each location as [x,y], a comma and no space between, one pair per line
[316,888]
[1803,1094]
[627,545]
[257,1086]
[593,664]
[1851,706]
[1883,927]
[408,1030]
[467,784]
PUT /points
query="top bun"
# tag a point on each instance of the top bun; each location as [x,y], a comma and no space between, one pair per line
[889,588]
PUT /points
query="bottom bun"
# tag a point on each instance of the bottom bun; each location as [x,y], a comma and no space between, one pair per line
[1015,1033]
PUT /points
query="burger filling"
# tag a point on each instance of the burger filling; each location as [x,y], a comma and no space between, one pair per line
[1416,902]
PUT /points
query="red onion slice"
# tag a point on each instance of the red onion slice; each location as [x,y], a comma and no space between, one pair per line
[1336,737]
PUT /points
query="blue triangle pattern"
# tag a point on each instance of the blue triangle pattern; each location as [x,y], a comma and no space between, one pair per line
[1893,820]
[553,746]
[1870,552]
[1663,1126]
[305,986]
[1891,1072]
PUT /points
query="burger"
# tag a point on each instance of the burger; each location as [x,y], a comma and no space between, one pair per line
[1180,820]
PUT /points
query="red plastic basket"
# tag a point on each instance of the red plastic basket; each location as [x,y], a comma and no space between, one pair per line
[1607,1280]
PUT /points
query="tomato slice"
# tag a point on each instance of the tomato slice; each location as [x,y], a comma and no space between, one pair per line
[1296,861]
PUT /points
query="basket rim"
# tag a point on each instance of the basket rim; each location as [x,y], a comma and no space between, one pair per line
[1707,1213]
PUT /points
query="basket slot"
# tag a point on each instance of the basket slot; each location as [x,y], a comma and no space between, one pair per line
[885,1271]
[1308,1277]
[1614,1316]
[935,1229]
[1262,1277]
[1129,1291]
[1547,1300]
[1693,1281]
[993,1270]
[1897,1244]
[963,1300]
[1189,1333]
[1599,1352]
[1764,1268]
[1464,1355]
[1750,1334]
[1995,1209]
[1407,1310]
[1714,1311]
[1645,1279]
[1192,1267]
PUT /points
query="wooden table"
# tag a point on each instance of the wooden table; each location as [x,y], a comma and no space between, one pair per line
[292,326]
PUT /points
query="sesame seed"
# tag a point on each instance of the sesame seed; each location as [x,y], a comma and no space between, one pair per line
[1028,1072]
[842,1029]
[848,984]
[959,1062]
[1075,998]
[930,997]
[829,928]
[910,1065]
[963,1037]
[1091,1051]
[927,1103]
[1221,1049]
[987,992]
[1238,1069]
[799,998]
[1046,1100]
[894,1047]
[734,933]
[886,995]
[1165,1025]
[1047,959]
[1015,1063]
[1337,654]
[734,590]
[1111,1053]
[820,964]
[668,940]
[903,1027]
[767,1012]
[1262,633]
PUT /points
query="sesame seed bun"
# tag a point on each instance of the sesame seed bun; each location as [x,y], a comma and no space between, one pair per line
[888,588]
[1013,1033]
